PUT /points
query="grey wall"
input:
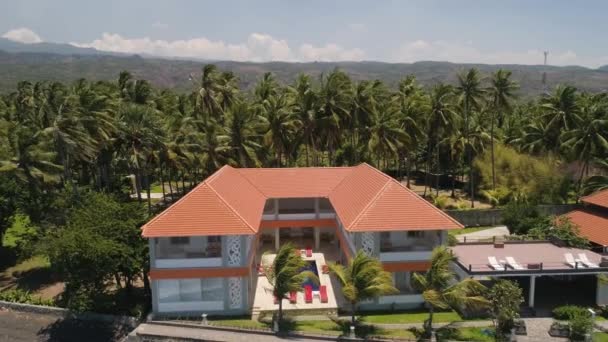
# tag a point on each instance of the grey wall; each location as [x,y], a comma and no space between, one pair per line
[491,217]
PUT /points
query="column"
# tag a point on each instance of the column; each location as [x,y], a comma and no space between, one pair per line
[277,237]
[276,208]
[317,238]
[532,290]
[601,293]
[317,211]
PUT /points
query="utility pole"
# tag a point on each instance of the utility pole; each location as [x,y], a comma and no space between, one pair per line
[545,89]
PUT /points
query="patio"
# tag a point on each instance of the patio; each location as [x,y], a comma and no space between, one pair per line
[264,299]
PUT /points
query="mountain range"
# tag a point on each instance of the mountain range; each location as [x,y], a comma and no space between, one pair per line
[65,63]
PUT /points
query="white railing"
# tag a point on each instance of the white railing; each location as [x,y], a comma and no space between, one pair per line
[405,256]
[188,263]
[268,217]
[401,299]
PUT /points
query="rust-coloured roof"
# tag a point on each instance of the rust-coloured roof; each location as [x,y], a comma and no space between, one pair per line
[300,182]
[231,201]
[599,198]
[592,224]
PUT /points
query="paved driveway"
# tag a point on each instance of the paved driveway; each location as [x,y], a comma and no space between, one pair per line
[25,326]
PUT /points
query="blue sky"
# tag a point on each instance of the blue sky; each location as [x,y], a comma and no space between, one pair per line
[487,31]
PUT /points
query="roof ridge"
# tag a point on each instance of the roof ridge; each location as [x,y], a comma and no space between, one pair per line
[230,206]
[369,204]
[352,169]
[295,167]
[250,182]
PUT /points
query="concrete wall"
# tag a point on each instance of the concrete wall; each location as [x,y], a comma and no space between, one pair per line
[491,217]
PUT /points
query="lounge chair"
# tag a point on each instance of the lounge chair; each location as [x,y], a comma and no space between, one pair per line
[570,260]
[308,294]
[582,257]
[495,264]
[293,298]
[308,252]
[323,293]
[511,262]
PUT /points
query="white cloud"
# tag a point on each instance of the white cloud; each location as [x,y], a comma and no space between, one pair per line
[22,35]
[258,47]
[421,50]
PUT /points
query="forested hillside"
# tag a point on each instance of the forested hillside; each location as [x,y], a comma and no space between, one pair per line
[173,74]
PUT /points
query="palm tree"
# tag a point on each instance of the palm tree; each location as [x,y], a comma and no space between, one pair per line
[241,127]
[286,274]
[441,291]
[560,112]
[501,92]
[279,124]
[305,108]
[335,97]
[442,121]
[589,139]
[385,134]
[470,93]
[364,278]
[209,93]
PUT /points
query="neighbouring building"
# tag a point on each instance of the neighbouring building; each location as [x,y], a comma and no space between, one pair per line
[592,220]
[205,249]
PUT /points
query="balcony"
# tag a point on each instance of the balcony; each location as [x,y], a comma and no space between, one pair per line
[407,246]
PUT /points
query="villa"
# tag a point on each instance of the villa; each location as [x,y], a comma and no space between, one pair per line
[205,250]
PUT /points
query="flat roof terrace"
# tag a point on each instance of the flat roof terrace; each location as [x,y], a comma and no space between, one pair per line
[526,258]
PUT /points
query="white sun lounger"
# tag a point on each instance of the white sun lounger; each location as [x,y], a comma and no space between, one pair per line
[511,262]
[582,257]
[570,260]
[495,264]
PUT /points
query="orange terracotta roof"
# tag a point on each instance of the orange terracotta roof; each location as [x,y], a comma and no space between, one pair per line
[369,200]
[300,182]
[599,198]
[592,224]
[231,201]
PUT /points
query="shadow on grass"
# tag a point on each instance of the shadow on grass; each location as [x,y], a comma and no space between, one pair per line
[68,330]
[35,279]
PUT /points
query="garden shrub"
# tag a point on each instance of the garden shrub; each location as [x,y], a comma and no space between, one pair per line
[24,297]
[580,325]
[520,175]
[520,216]
[568,312]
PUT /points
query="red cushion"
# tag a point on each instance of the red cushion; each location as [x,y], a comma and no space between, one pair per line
[323,293]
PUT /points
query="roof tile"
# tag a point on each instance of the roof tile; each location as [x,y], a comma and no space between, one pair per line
[592,224]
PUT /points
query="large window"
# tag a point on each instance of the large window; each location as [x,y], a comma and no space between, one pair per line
[296,205]
[190,290]
[192,247]
[407,241]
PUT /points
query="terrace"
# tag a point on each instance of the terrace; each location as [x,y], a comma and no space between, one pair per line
[521,260]
[264,300]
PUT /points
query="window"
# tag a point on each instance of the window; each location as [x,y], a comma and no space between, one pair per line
[179,240]
[190,290]
[415,234]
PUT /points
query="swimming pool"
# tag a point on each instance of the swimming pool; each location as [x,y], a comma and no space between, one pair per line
[311,266]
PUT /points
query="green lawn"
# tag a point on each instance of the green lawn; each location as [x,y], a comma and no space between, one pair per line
[600,337]
[485,334]
[410,317]
[325,327]
[468,230]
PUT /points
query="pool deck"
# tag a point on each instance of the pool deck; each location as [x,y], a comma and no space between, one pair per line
[264,300]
